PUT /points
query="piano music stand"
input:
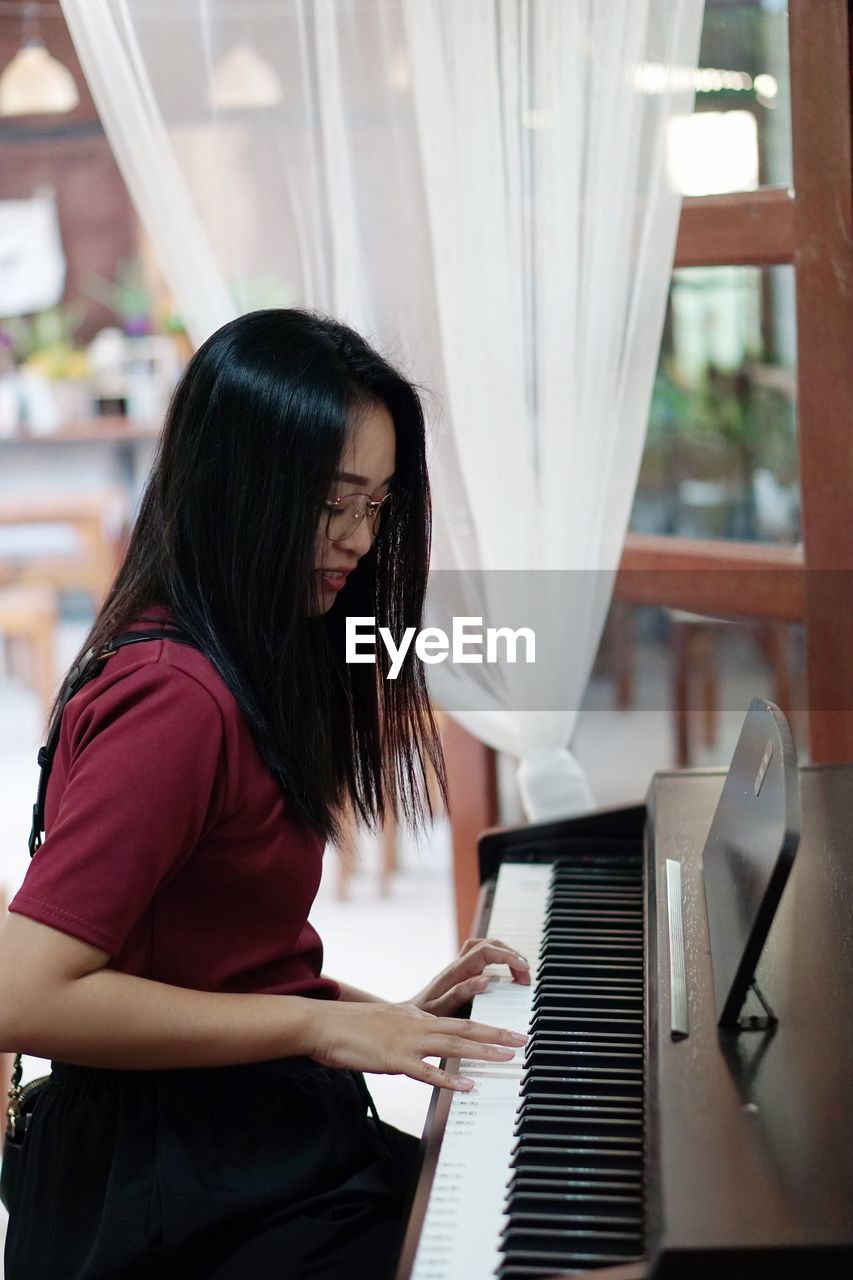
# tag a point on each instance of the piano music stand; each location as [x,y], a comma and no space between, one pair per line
[747,858]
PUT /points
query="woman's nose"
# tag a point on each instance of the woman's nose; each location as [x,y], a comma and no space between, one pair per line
[360,540]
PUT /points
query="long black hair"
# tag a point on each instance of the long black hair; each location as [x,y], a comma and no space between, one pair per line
[225,539]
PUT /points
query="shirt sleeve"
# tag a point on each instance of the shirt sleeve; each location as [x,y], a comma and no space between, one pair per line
[143,784]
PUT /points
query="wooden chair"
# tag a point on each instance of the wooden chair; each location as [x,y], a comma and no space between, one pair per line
[28,616]
[693,640]
[348,854]
[88,528]
[693,643]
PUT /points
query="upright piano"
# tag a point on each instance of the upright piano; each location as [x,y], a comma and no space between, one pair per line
[684,1105]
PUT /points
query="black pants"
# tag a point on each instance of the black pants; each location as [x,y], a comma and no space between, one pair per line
[272,1171]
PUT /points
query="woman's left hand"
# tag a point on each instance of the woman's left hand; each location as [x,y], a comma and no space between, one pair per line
[463,979]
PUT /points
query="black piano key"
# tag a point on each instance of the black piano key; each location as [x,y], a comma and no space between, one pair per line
[622,1035]
[562,886]
[532,1154]
[593,943]
[558,1202]
[562,987]
[574,1071]
[579,934]
[535,1122]
[587,968]
[574,1219]
[584,1137]
[630,986]
[619,1044]
[523,1271]
[539,1119]
[556,996]
[554,1004]
[517,1269]
[598,877]
[566,873]
[605,1092]
[609,913]
[557,1176]
[564,1020]
[542,1082]
[561,1054]
[585,1022]
[582,1180]
[591,902]
[545,1263]
[588,925]
[566,1013]
[569,986]
[605,898]
[586,1107]
[588,1240]
[583,1025]
[580,903]
[578,1122]
[623,1043]
[602,1022]
[629,1182]
[596,895]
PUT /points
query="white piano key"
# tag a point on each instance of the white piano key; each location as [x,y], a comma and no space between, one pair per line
[464,1219]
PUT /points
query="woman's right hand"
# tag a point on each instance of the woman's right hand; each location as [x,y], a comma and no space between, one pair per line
[394,1039]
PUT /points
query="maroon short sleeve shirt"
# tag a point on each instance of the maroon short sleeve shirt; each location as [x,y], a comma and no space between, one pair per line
[168,844]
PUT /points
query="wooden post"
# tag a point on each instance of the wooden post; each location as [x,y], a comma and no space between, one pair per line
[820,36]
[473,792]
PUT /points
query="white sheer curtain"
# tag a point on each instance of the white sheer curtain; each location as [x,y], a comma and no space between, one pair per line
[480,188]
[553,219]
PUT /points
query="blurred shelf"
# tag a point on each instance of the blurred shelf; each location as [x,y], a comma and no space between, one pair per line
[107,430]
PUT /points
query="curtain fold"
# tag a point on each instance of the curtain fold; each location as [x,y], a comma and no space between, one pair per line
[481,188]
[553,224]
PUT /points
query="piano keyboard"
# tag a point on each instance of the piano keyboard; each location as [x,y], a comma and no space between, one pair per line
[541,1164]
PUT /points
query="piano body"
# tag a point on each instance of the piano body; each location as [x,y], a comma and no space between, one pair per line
[617,1143]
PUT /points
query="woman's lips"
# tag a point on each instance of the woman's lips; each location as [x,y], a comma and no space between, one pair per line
[334,581]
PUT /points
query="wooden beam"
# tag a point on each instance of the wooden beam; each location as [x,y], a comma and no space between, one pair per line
[473,793]
[820,58]
[721,579]
[747,227]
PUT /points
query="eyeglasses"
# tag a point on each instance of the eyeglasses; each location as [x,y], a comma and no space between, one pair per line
[346,514]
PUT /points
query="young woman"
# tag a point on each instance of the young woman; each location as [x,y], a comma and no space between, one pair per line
[206,1115]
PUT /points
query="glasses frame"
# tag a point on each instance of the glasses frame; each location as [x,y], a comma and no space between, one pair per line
[371,512]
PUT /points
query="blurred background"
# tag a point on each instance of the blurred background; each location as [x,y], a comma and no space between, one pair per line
[92,343]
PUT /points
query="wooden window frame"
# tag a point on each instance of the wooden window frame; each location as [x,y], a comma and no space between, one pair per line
[810,227]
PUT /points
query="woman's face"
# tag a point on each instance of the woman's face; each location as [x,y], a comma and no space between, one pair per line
[366,467]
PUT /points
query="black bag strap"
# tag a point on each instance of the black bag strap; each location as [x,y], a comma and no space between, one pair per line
[90,665]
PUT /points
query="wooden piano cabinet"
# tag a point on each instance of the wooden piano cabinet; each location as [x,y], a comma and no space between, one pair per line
[748,1168]
[750,1134]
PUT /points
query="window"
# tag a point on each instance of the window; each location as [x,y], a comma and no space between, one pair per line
[810,228]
